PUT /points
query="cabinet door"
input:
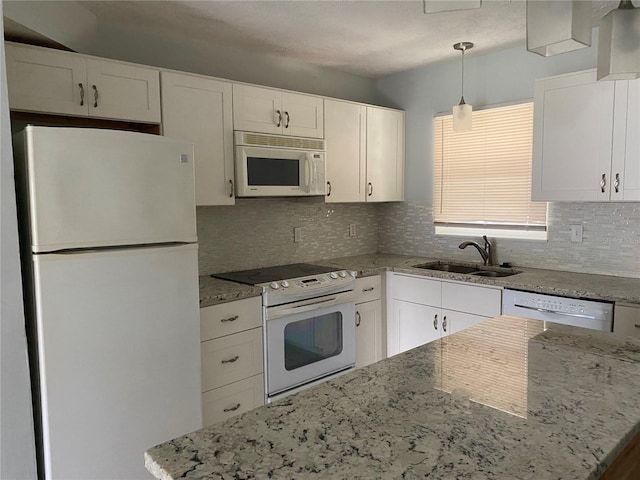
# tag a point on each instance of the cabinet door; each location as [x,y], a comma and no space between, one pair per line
[302,115]
[231,400]
[453,322]
[485,301]
[411,325]
[257,109]
[369,333]
[199,110]
[572,138]
[385,155]
[345,133]
[123,92]
[46,81]
[625,165]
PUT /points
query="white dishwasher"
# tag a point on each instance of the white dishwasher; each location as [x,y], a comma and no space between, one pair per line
[567,311]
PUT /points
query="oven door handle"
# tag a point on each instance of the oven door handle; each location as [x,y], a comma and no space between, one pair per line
[307,306]
[563,314]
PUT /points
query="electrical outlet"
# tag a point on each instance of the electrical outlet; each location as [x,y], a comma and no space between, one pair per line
[352,229]
[576,233]
[297,234]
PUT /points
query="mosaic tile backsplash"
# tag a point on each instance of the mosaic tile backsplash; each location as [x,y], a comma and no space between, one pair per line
[259,233]
[610,246]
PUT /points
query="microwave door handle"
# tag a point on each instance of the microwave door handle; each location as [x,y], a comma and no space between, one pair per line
[307,173]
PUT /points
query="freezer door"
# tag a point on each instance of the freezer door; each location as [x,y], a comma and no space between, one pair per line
[89,187]
[119,357]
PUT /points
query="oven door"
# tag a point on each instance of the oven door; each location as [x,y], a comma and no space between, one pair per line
[309,340]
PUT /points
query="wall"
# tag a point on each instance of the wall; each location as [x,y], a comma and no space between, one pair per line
[259,232]
[167,49]
[611,231]
[17,441]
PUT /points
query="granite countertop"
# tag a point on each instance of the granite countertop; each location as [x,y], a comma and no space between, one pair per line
[501,400]
[553,282]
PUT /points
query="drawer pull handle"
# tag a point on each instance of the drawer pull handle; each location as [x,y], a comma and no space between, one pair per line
[444,323]
[81,94]
[231,360]
[230,319]
[95,96]
[370,289]
[232,409]
[435,321]
[358,319]
[603,182]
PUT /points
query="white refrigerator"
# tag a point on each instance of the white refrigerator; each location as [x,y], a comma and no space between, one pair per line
[108,232]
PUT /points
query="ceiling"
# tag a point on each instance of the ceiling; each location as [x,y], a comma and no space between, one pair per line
[370,38]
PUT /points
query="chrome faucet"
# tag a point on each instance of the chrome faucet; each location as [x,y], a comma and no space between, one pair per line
[486,252]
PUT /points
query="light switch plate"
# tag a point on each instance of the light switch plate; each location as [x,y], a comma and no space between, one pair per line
[297,234]
[352,229]
[576,233]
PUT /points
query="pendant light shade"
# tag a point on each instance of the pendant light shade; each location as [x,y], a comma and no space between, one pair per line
[555,27]
[462,112]
[619,44]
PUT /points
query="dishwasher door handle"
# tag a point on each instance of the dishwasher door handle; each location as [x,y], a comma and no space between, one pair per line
[544,310]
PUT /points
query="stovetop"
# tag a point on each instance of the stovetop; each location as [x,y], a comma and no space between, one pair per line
[273,274]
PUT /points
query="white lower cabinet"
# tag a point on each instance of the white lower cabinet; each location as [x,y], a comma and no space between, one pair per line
[370,331]
[626,320]
[421,310]
[225,402]
[231,348]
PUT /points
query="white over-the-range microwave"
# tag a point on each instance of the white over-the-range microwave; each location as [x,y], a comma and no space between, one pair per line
[279,166]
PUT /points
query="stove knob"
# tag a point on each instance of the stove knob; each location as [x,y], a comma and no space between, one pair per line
[342,274]
[274,285]
[333,275]
[284,284]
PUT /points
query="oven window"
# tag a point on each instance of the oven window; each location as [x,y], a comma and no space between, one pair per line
[277,172]
[312,340]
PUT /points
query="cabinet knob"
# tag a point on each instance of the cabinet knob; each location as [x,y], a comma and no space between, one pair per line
[603,182]
[435,321]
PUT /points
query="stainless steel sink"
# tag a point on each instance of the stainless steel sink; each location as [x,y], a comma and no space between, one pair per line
[492,273]
[447,267]
[477,271]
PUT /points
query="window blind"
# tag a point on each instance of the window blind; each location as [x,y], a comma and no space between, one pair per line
[482,178]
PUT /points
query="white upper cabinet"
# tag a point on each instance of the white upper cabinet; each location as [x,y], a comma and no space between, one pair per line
[50,81]
[266,110]
[385,155]
[42,80]
[199,110]
[625,164]
[345,132]
[585,135]
[365,153]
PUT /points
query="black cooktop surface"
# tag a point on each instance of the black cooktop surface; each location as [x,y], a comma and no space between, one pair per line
[272,274]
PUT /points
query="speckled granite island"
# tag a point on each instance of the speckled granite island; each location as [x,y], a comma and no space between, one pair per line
[503,400]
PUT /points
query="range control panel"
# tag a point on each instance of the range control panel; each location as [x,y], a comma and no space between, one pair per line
[286,291]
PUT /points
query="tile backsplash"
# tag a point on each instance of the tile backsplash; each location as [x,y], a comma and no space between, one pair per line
[258,232]
[610,246]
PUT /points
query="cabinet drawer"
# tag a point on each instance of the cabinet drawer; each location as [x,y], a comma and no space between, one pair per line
[231,358]
[228,318]
[416,290]
[225,402]
[626,321]
[472,299]
[368,289]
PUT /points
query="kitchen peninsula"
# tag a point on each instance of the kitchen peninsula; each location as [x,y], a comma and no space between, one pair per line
[502,400]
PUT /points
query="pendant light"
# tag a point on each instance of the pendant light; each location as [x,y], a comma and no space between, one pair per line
[555,27]
[619,43]
[462,111]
